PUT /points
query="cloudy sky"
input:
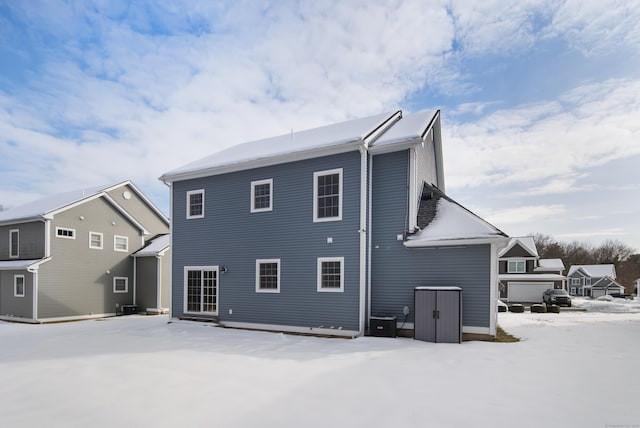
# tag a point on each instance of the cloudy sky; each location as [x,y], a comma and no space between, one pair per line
[540,100]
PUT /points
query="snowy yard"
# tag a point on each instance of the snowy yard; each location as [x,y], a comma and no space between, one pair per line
[573,369]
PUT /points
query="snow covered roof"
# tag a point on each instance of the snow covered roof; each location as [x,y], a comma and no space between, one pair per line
[445,222]
[605,282]
[390,131]
[46,205]
[532,276]
[550,265]
[21,264]
[50,205]
[595,271]
[410,128]
[155,247]
[525,242]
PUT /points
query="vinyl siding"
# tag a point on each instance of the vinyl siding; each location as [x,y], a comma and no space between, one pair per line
[230,235]
[16,306]
[140,210]
[79,280]
[397,270]
[30,242]
[146,282]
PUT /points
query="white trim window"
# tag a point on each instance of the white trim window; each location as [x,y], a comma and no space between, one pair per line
[65,232]
[262,195]
[587,281]
[575,281]
[327,195]
[195,204]
[120,284]
[268,276]
[331,274]
[201,290]
[18,286]
[95,240]
[120,243]
[14,243]
[516,266]
[572,290]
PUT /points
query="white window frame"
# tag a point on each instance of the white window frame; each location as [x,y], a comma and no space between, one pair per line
[15,286]
[17,254]
[126,284]
[572,290]
[65,229]
[316,175]
[587,281]
[268,181]
[575,281]
[185,288]
[319,274]
[126,243]
[523,261]
[101,235]
[267,290]
[189,194]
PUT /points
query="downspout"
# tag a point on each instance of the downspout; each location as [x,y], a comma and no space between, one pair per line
[363,236]
[135,278]
[170,248]
[370,203]
[493,289]
[159,283]
[34,287]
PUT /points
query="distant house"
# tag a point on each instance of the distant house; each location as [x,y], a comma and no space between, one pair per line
[523,275]
[318,231]
[593,280]
[69,256]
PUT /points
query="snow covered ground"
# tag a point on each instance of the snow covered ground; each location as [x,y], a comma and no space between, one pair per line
[574,369]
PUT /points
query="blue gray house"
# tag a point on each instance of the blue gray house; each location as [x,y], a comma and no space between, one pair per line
[319,230]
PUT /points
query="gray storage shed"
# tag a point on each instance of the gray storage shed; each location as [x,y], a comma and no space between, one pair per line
[438,314]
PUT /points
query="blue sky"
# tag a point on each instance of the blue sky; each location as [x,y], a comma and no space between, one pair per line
[540,100]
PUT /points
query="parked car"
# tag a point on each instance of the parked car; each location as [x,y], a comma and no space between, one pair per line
[556,297]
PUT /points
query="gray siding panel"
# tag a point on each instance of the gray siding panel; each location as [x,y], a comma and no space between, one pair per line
[16,306]
[78,280]
[140,210]
[146,282]
[30,241]
[396,270]
[230,235]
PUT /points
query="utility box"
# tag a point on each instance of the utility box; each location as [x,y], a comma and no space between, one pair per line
[438,314]
[129,309]
[382,326]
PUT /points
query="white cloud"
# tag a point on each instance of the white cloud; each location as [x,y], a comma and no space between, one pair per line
[525,214]
[594,27]
[589,234]
[586,127]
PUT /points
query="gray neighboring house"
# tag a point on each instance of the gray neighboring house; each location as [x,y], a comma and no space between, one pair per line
[523,275]
[68,256]
[593,280]
[319,230]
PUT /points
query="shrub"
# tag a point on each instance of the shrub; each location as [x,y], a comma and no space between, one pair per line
[553,308]
[539,308]
[517,308]
[502,309]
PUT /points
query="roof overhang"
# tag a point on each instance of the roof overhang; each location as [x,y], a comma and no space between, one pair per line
[454,242]
[29,265]
[344,147]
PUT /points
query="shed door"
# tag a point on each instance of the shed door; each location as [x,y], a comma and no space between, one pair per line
[448,317]
[425,322]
